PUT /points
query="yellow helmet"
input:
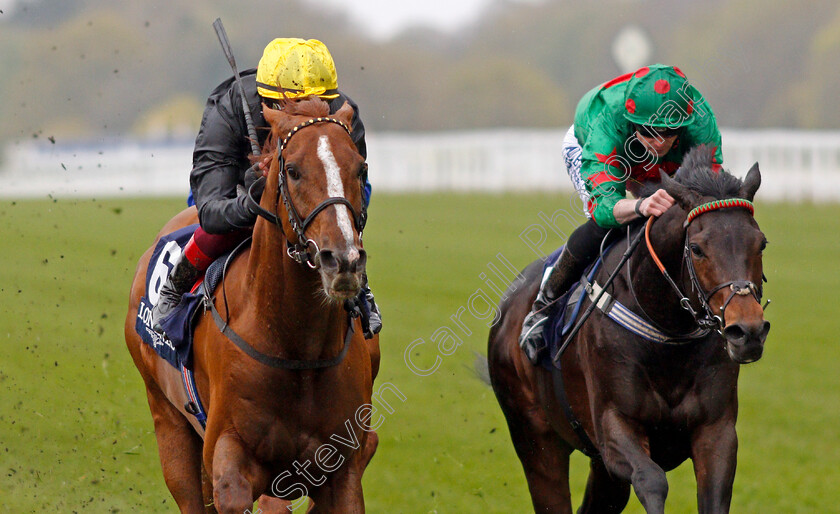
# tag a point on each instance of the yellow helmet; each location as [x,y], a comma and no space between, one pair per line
[296,67]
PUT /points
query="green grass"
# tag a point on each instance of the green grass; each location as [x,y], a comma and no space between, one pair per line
[76,434]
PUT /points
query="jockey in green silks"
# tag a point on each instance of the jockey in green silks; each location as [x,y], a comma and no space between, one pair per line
[625,132]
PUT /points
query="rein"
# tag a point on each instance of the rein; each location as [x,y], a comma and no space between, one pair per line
[299,251]
[352,308]
[737,287]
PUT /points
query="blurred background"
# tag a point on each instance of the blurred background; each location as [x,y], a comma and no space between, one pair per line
[466,103]
[105,95]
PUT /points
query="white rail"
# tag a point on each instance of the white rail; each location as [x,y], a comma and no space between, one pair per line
[795,165]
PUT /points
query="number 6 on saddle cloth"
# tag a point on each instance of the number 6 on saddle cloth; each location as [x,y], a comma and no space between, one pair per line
[175,345]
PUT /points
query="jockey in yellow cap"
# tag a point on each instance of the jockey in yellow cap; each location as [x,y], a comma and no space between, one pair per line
[290,68]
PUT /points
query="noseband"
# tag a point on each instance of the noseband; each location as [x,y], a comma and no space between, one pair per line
[300,250]
[737,287]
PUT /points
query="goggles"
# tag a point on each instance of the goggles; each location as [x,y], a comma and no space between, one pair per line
[656,132]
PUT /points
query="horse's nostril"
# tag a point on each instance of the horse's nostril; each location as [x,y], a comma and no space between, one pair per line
[734,334]
[359,263]
[765,329]
[327,259]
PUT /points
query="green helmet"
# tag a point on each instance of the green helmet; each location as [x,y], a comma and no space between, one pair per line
[659,96]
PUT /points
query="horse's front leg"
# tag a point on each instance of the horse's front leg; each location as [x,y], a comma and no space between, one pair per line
[343,491]
[714,451]
[625,449]
[236,476]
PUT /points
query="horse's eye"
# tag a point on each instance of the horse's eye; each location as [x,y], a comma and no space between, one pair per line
[763,245]
[695,249]
[292,172]
[363,169]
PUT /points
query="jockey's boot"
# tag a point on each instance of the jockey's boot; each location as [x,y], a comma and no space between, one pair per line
[180,280]
[564,275]
[371,317]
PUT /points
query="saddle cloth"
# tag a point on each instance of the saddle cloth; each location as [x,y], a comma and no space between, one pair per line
[566,312]
[175,347]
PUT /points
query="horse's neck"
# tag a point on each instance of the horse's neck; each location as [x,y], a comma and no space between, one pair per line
[288,299]
[654,294]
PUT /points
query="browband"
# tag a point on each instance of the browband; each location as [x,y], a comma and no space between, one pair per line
[719,204]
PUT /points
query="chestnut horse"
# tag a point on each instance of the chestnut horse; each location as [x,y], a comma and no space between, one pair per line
[267,424]
[645,406]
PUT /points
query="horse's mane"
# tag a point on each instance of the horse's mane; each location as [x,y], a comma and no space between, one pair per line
[696,173]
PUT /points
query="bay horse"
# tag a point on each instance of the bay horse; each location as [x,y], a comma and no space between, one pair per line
[267,424]
[642,407]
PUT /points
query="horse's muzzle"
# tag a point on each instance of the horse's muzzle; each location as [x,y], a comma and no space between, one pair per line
[342,271]
[745,341]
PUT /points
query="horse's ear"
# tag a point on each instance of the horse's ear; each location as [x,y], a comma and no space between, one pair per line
[272,116]
[685,197]
[751,183]
[345,114]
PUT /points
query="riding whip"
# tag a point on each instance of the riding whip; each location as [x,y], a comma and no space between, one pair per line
[223,39]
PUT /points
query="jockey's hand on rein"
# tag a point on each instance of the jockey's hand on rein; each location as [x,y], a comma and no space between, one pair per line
[265,164]
[657,203]
[253,174]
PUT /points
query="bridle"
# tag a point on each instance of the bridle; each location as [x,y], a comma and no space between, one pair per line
[299,251]
[708,319]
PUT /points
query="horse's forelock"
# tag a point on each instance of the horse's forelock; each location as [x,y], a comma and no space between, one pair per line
[314,106]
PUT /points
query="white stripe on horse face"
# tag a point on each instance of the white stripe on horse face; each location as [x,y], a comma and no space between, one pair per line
[335,188]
